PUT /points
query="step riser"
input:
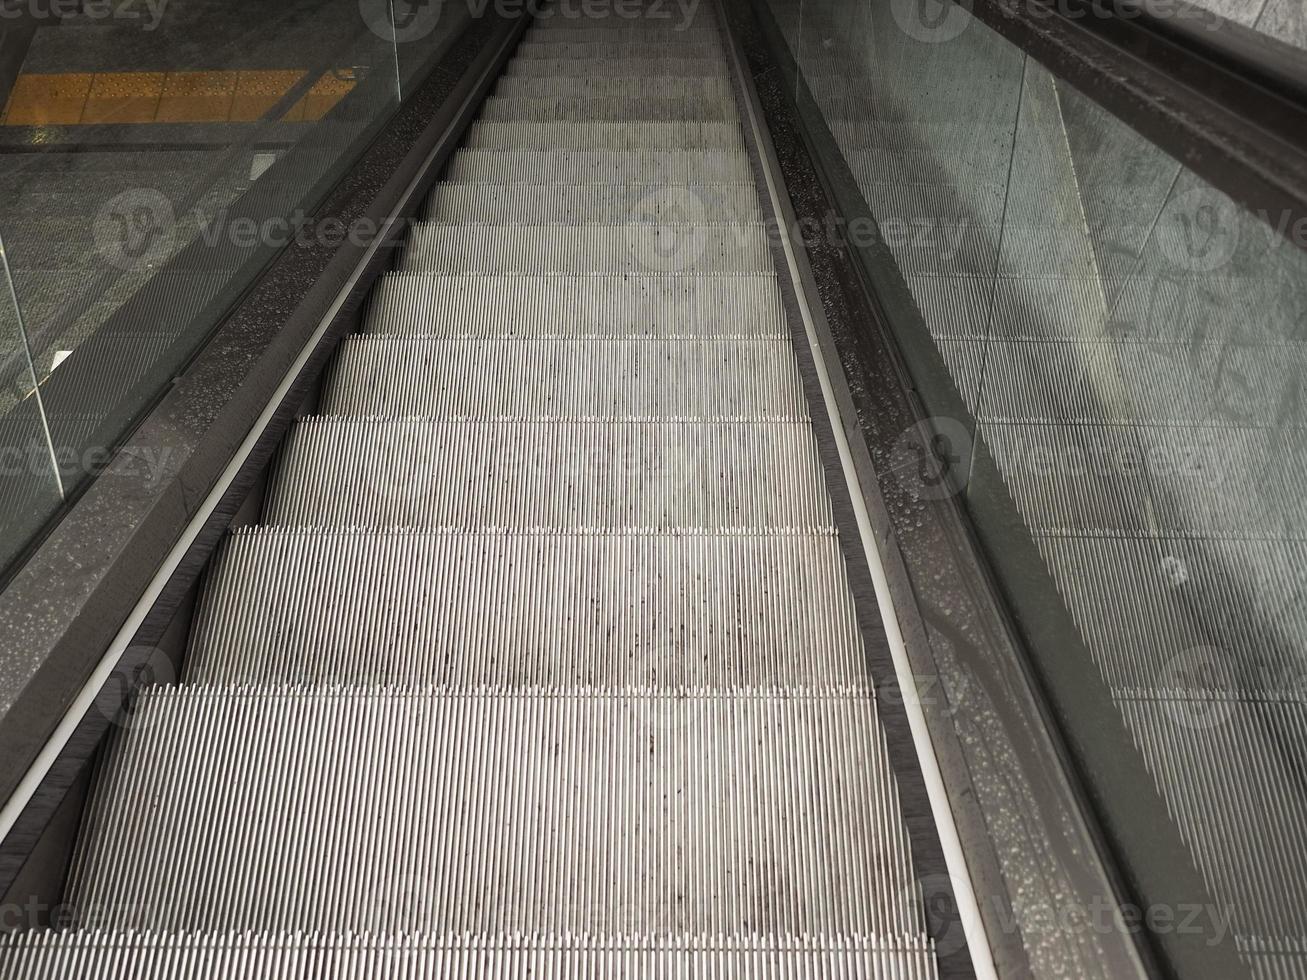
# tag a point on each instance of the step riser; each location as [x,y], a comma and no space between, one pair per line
[543,137]
[382,377]
[263,956]
[639,67]
[581,167]
[523,609]
[377,475]
[598,51]
[717,90]
[583,108]
[593,203]
[584,306]
[547,813]
[646,249]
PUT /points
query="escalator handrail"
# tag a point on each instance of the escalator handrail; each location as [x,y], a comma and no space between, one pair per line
[1259,60]
[1227,102]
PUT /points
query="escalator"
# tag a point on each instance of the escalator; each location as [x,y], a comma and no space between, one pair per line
[777,488]
[542,656]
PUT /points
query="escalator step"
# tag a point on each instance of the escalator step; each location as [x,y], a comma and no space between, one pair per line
[545,136]
[427,377]
[295,956]
[593,203]
[604,167]
[639,247]
[662,30]
[363,473]
[641,66]
[596,108]
[581,306]
[605,51]
[451,607]
[625,86]
[546,811]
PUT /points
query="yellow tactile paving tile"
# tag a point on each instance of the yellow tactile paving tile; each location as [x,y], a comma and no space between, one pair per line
[85,98]
[322,97]
[197,96]
[259,91]
[123,97]
[48,100]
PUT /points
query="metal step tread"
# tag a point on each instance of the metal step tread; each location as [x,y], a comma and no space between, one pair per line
[603,50]
[647,247]
[381,473]
[626,86]
[600,166]
[593,108]
[654,63]
[455,203]
[536,305]
[148,955]
[762,811]
[380,376]
[724,608]
[544,136]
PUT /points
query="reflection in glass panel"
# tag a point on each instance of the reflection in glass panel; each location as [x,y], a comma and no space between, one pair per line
[29,485]
[154,164]
[1129,346]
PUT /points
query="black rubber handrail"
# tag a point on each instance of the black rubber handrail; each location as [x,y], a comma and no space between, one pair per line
[1227,102]
[1258,59]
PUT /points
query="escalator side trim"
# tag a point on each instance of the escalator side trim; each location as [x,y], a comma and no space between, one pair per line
[812,315]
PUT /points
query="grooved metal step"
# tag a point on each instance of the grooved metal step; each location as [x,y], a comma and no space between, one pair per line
[460,608]
[525,813]
[365,473]
[265,955]
[603,50]
[600,166]
[600,136]
[632,86]
[594,108]
[581,306]
[643,247]
[430,377]
[663,30]
[593,203]
[643,66]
